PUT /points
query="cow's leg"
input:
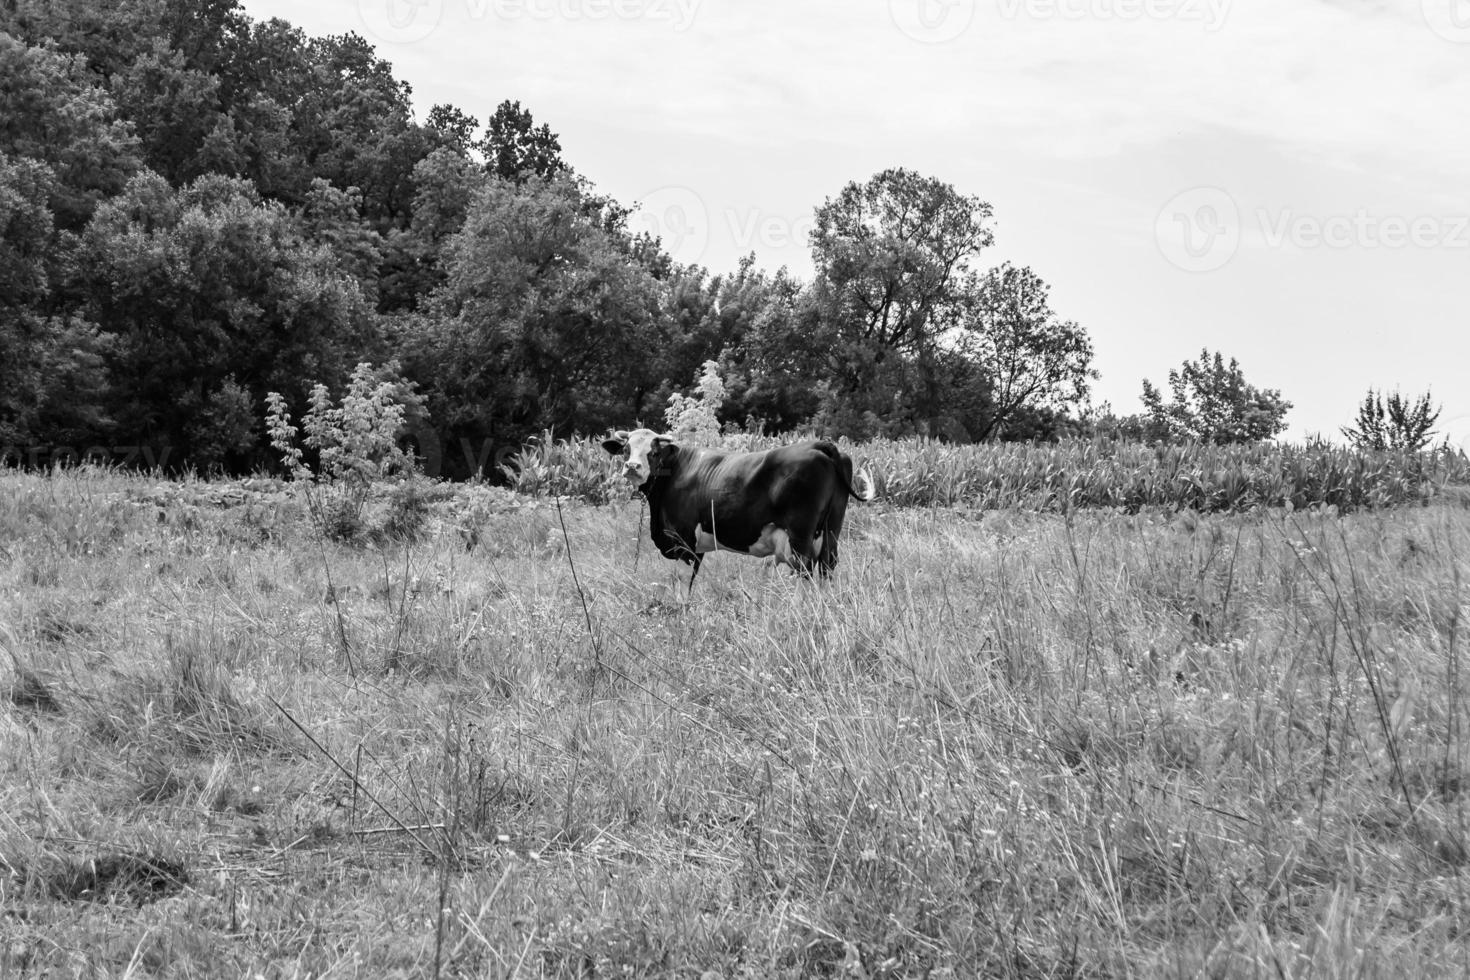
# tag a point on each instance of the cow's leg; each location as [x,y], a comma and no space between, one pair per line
[801,549]
[832,522]
[827,547]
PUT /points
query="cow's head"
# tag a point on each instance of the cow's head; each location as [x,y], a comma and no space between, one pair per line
[645,453]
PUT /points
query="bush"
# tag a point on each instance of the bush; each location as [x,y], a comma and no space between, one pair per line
[1395,424]
[695,417]
[408,511]
[356,444]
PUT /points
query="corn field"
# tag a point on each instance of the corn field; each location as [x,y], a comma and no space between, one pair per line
[1083,474]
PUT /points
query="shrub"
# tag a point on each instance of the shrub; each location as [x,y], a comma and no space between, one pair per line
[1395,424]
[408,511]
[356,444]
[695,418]
[1212,402]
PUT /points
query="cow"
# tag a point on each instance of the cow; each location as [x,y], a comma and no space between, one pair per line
[788,502]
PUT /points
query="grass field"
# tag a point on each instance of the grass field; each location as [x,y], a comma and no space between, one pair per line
[996,744]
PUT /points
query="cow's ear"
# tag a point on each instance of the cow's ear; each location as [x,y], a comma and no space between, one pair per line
[616,443]
[662,442]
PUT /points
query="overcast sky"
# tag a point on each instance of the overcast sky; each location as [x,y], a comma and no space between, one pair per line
[1286,181]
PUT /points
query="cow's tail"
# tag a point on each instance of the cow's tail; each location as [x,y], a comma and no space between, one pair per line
[844,473]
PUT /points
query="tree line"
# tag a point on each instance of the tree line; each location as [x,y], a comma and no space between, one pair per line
[200,209]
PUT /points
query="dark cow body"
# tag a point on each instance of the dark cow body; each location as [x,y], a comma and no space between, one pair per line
[789,502]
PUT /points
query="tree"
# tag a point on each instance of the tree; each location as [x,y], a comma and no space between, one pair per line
[52,112]
[333,218]
[1101,422]
[107,36]
[1212,402]
[52,378]
[214,297]
[175,110]
[266,71]
[892,260]
[893,253]
[771,359]
[445,182]
[205,89]
[542,323]
[516,149]
[355,125]
[1030,358]
[1394,424]
[452,128]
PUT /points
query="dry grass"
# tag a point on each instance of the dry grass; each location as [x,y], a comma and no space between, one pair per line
[1012,745]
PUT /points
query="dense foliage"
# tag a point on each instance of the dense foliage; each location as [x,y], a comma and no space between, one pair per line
[1211,401]
[1104,473]
[1393,423]
[200,209]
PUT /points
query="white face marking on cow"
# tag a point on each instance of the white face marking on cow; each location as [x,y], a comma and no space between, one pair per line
[641,442]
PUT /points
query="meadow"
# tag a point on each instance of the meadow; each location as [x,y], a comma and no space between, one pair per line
[1009,738]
